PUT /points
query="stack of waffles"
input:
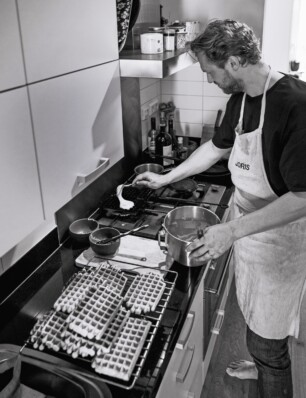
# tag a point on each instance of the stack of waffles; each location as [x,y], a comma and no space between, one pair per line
[99,318]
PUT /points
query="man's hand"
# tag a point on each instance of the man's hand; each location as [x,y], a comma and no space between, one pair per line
[217,240]
[150,180]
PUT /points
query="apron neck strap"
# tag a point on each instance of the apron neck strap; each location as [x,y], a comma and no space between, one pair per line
[263,103]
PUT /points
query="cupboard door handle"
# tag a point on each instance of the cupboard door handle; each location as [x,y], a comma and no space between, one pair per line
[185,364]
[218,322]
[187,328]
[83,178]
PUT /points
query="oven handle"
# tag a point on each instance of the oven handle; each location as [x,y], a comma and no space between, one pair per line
[217,284]
[185,364]
[218,322]
[187,328]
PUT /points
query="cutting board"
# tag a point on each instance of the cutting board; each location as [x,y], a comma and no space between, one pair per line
[132,250]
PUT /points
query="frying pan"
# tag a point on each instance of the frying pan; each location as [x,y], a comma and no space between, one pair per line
[185,186]
[189,186]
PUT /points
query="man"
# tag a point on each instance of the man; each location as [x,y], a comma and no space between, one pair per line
[264,127]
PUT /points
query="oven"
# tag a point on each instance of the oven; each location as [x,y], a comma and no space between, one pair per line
[216,288]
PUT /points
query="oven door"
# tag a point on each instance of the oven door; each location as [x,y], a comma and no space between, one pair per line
[216,287]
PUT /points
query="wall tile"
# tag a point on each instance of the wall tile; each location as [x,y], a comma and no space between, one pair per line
[188,116]
[188,129]
[212,90]
[178,87]
[214,103]
[146,82]
[209,117]
[149,93]
[184,101]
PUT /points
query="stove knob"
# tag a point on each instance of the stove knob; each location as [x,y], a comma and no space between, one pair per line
[215,188]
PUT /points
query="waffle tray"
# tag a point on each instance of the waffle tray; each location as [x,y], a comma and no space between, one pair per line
[134,338]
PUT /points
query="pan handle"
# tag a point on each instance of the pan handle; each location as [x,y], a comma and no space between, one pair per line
[162,240]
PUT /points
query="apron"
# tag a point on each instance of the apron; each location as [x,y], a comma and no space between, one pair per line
[270,267]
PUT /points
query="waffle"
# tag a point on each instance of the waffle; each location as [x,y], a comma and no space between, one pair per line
[120,362]
[76,346]
[74,293]
[145,292]
[77,289]
[95,313]
[35,334]
[47,331]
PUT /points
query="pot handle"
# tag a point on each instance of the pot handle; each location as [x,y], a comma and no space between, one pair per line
[162,240]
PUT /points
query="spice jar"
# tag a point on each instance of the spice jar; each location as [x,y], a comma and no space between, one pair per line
[169,40]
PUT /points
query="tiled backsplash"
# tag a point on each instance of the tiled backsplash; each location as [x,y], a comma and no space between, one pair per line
[197,101]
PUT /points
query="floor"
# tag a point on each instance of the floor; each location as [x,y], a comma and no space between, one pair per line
[231,346]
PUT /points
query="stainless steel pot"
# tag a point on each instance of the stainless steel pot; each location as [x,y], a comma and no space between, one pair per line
[182,226]
[154,167]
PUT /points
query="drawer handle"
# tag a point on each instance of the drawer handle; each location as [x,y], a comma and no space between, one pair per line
[218,323]
[83,178]
[185,364]
[187,328]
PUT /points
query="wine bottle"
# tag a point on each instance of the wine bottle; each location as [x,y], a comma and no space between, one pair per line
[172,132]
[152,138]
[164,142]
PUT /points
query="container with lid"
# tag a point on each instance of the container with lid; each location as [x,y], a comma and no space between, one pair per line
[169,39]
[151,43]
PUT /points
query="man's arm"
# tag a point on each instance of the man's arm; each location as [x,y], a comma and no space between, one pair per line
[219,238]
[200,160]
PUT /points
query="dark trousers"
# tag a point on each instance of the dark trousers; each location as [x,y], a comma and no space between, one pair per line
[273,363]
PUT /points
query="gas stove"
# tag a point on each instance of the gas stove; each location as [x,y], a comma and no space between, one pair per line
[151,206]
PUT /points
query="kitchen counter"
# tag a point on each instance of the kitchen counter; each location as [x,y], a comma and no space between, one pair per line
[44,284]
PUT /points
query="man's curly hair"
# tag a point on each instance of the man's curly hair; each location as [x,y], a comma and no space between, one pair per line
[224,38]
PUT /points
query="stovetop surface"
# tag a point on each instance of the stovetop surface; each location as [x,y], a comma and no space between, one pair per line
[151,206]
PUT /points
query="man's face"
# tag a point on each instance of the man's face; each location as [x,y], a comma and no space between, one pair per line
[222,77]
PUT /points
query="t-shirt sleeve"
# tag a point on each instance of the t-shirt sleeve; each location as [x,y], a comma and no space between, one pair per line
[225,135]
[293,161]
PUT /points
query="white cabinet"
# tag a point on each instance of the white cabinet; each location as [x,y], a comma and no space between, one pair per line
[61,36]
[77,120]
[21,208]
[183,377]
[11,64]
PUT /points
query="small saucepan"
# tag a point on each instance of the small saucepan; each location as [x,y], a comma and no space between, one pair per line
[154,167]
[82,228]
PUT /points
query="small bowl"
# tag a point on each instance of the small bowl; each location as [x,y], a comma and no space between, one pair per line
[154,167]
[104,233]
[82,228]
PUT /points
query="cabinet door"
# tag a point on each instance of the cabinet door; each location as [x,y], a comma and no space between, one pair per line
[61,36]
[11,63]
[77,120]
[21,207]
[186,362]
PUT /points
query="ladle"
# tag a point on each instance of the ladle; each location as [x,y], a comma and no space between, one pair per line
[104,241]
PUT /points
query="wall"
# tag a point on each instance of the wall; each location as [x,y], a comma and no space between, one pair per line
[197,101]
[58,69]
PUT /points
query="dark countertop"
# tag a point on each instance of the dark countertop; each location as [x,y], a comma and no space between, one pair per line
[44,284]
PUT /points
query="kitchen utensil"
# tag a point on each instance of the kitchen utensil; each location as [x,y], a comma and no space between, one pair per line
[105,241]
[104,234]
[181,226]
[82,228]
[154,167]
